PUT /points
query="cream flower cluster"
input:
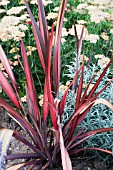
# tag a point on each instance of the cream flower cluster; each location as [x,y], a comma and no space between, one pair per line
[95,10]
[86,36]
[15,10]
[4,2]
[11,29]
[102,60]
[45,2]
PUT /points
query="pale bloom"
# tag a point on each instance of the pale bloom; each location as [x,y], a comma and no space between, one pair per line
[4,2]
[105,36]
[10,32]
[111,30]
[45,2]
[65,19]
[103,7]
[29,53]
[16,56]
[64,32]
[63,40]
[15,10]
[103,62]
[41,99]
[15,63]
[52,15]
[23,99]
[0,89]
[5,74]
[90,86]
[10,20]
[11,62]
[31,48]
[41,96]
[67,83]
[56,9]
[22,1]
[101,2]
[2,11]
[92,8]
[24,17]
[99,16]
[82,22]
[1,66]
[13,50]
[83,56]
[82,6]
[99,56]
[62,87]
[5,36]
[80,11]
[79,31]
[41,102]
[16,33]
[92,38]
[33,2]
[22,27]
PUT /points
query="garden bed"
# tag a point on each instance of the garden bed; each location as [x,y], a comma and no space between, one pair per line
[80,162]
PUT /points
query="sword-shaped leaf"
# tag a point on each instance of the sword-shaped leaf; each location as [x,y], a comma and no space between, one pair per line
[8,89]
[41,48]
[43,22]
[30,85]
[56,63]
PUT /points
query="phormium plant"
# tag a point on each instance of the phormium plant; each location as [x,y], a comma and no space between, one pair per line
[50,145]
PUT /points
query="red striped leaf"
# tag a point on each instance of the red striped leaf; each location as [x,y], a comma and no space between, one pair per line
[66,162]
[30,84]
[45,102]
[56,64]
[87,135]
[84,96]
[22,122]
[79,91]
[63,100]
[90,148]
[99,79]
[6,65]
[79,47]
[27,143]
[79,142]
[94,132]
[42,51]
[8,90]
[43,22]
[51,104]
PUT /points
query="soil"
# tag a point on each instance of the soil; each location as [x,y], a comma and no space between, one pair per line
[16,146]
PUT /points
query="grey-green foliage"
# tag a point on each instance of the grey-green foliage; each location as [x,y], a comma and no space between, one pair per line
[2,157]
[99,116]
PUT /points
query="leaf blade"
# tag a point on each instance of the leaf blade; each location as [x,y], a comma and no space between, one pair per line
[8,90]
[30,84]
